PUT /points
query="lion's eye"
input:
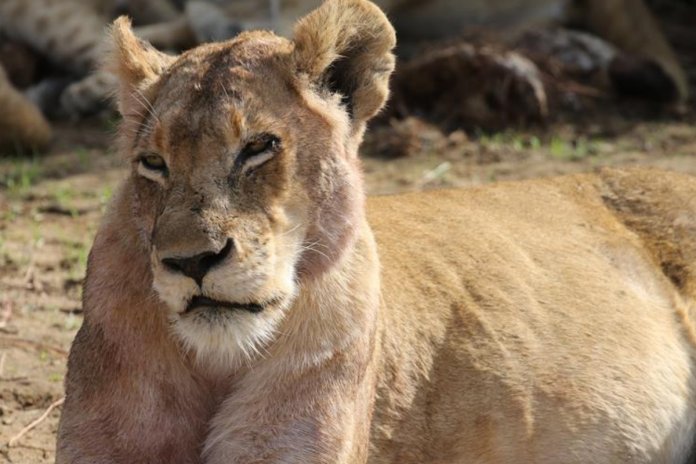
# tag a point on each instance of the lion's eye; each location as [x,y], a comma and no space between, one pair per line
[258,146]
[153,167]
[258,151]
[153,162]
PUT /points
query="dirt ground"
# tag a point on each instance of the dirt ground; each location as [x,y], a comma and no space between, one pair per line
[50,207]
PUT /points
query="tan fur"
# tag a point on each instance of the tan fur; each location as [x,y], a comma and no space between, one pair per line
[545,321]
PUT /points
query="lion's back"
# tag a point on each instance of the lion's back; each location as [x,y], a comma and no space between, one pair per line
[533,308]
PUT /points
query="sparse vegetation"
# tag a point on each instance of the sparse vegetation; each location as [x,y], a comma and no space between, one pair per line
[19,175]
[572,150]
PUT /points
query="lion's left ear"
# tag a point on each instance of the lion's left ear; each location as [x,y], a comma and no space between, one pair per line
[136,64]
[346,46]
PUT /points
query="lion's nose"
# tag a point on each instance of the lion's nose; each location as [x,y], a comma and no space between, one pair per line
[196,267]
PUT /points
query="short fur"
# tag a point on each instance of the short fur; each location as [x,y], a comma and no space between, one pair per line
[545,321]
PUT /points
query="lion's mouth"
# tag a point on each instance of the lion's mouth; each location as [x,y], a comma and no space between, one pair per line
[200,301]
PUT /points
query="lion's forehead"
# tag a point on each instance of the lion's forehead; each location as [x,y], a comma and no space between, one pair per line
[249,60]
[222,99]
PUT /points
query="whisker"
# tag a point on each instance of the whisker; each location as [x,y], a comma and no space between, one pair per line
[147,104]
[288,232]
[224,90]
[311,247]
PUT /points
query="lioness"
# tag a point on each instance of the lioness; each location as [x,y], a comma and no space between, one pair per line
[245,304]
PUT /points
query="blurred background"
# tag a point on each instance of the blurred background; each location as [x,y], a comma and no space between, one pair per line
[485,91]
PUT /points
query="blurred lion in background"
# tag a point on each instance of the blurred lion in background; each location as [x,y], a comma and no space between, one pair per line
[68,33]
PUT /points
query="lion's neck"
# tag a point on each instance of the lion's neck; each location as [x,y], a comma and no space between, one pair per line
[335,310]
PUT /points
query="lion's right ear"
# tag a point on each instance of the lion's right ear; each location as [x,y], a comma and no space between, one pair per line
[136,64]
[346,47]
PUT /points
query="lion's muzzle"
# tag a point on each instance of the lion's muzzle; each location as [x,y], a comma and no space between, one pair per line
[197,266]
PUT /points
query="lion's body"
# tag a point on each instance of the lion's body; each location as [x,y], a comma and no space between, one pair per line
[245,304]
[540,325]
[517,335]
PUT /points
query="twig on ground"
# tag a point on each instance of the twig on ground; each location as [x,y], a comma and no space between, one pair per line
[2,363]
[70,310]
[434,174]
[6,313]
[62,211]
[37,448]
[23,379]
[23,342]
[29,274]
[41,418]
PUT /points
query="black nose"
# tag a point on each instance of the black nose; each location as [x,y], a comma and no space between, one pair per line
[196,267]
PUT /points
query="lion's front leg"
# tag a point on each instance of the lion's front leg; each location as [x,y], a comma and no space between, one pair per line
[320,416]
[122,408]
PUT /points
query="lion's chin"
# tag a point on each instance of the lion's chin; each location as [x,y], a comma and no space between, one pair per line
[222,335]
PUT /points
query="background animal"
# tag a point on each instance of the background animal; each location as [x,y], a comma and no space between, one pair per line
[68,33]
[628,24]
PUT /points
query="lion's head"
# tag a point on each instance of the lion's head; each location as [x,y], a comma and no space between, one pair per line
[244,166]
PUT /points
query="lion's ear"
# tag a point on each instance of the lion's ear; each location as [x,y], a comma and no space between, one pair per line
[136,64]
[346,46]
